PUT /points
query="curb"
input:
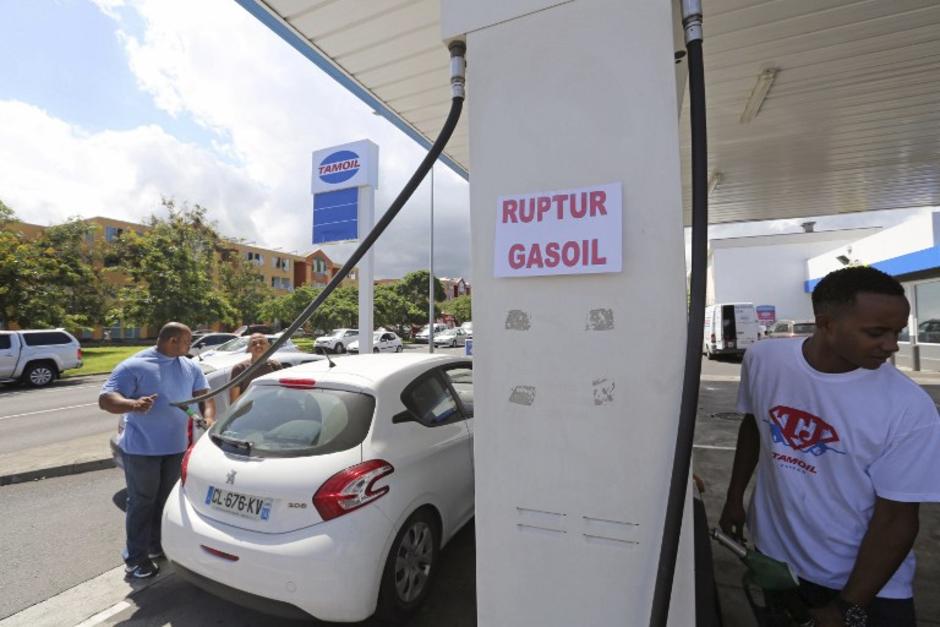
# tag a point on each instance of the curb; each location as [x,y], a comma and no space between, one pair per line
[57,471]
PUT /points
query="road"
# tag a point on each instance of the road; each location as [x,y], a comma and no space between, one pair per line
[64,411]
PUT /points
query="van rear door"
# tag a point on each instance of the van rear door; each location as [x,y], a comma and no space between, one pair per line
[745,318]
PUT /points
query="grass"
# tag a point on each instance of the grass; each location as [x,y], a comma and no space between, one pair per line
[103,359]
[303,343]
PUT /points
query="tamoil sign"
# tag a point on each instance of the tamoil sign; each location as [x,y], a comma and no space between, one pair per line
[337,175]
[573,231]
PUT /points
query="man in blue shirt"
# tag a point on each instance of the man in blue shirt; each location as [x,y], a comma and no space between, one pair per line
[155,438]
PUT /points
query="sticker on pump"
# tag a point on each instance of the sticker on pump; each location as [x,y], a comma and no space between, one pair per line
[573,231]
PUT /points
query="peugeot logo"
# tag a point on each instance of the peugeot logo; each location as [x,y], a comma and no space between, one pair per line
[230,478]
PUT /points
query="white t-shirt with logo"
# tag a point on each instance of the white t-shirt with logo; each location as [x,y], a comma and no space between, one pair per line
[829,444]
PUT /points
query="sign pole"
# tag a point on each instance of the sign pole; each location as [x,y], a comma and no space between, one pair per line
[431,273]
[366,265]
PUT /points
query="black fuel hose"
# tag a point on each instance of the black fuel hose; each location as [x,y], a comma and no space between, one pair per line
[679,481]
[450,124]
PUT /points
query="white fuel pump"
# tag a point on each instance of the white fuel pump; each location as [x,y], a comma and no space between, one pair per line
[578,370]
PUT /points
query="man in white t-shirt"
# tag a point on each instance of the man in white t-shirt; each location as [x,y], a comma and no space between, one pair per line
[846,448]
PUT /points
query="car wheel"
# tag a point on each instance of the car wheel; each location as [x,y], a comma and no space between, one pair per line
[375,350]
[39,375]
[399,348]
[453,344]
[410,567]
[339,348]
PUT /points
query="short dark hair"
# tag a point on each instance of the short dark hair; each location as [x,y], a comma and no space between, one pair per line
[839,288]
[171,330]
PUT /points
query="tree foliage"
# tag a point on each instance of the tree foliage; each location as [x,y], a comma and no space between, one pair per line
[173,269]
[413,288]
[243,286]
[53,280]
[459,308]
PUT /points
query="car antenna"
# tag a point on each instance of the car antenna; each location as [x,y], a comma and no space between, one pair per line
[327,354]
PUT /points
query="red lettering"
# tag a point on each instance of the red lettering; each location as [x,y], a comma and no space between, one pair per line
[524,215]
[509,211]
[560,202]
[576,210]
[544,204]
[570,253]
[596,259]
[551,254]
[535,257]
[516,256]
[598,199]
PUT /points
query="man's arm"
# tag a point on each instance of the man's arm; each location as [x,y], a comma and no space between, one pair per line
[746,455]
[116,403]
[206,408]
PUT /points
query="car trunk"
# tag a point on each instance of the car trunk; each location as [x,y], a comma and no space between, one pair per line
[265,494]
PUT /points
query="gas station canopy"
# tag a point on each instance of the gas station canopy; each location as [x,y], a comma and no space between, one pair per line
[814,106]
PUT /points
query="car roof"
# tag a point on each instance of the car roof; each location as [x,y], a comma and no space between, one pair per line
[366,371]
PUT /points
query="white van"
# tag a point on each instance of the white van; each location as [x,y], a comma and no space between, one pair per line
[730,328]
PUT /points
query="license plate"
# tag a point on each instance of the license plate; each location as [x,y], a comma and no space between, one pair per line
[244,505]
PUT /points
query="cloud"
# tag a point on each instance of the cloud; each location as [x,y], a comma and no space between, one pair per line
[54,170]
[269,108]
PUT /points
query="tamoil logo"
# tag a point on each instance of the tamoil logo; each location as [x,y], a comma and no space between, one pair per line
[338,167]
[801,430]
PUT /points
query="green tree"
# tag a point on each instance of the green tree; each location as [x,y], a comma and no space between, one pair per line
[390,309]
[173,269]
[459,308]
[341,309]
[52,280]
[413,287]
[244,287]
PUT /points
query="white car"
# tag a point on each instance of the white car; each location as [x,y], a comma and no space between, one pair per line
[451,337]
[329,491]
[337,341]
[421,337]
[218,371]
[468,327]
[239,345]
[208,341]
[382,342]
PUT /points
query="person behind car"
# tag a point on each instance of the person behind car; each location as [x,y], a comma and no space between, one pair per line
[155,438]
[257,345]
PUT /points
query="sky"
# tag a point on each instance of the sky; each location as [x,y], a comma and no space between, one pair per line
[107,106]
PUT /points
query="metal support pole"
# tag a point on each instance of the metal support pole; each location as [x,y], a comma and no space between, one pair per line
[431,273]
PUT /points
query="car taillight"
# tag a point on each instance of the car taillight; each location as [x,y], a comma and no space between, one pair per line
[352,488]
[79,354]
[297,383]
[185,465]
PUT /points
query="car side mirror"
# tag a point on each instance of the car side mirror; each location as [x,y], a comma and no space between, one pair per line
[404,416]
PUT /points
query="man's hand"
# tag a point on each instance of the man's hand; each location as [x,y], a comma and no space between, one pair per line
[143,404]
[732,518]
[828,616]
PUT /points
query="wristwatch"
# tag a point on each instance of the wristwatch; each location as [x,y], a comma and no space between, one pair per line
[853,614]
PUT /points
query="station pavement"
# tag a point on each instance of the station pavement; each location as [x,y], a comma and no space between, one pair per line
[110,600]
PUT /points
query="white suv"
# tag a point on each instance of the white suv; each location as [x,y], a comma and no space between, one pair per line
[337,341]
[37,357]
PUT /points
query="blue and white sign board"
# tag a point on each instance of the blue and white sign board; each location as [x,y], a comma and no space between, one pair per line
[338,173]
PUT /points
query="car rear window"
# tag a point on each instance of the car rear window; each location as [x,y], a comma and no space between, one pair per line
[46,338]
[279,421]
[806,327]
[5,341]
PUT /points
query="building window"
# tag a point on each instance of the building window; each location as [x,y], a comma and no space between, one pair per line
[280,263]
[111,233]
[257,258]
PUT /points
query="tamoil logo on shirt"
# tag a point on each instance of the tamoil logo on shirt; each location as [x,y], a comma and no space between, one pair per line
[802,431]
[338,167]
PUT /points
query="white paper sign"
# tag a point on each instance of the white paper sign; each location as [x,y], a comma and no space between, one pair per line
[572,231]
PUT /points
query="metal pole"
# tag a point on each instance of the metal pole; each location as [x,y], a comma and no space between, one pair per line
[431,273]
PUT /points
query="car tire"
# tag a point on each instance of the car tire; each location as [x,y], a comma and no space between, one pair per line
[453,344]
[339,348]
[39,374]
[399,349]
[410,568]
[375,350]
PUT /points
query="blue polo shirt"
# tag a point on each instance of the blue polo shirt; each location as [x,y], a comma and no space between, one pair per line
[162,430]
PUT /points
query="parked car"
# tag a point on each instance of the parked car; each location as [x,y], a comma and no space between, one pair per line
[37,357]
[337,341]
[451,337]
[382,342]
[792,328]
[421,337]
[329,492]
[218,371]
[240,345]
[468,327]
[207,341]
